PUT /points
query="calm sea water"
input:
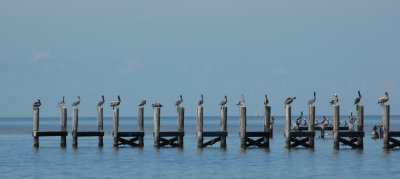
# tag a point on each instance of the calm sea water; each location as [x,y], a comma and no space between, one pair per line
[19,159]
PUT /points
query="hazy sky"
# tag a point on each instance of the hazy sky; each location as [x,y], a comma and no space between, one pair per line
[160,49]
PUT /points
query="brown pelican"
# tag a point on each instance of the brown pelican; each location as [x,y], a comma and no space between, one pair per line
[115,102]
[61,103]
[358,99]
[157,105]
[142,103]
[289,100]
[179,101]
[241,101]
[312,101]
[382,100]
[335,100]
[200,101]
[36,104]
[76,103]
[224,101]
[101,102]
[300,117]
[266,100]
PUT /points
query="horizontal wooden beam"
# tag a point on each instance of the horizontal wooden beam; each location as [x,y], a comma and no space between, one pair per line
[394,133]
[171,134]
[325,128]
[350,143]
[211,142]
[258,134]
[351,134]
[49,133]
[130,134]
[215,134]
[89,133]
[302,134]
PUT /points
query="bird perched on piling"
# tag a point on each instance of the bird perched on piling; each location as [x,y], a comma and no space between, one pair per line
[200,103]
[301,116]
[224,101]
[266,100]
[289,100]
[382,100]
[241,101]
[179,101]
[36,104]
[101,102]
[115,103]
[312,100]
[335,100]
[157,105]
[142,103]
[76,103]
[357,99]
[61,104]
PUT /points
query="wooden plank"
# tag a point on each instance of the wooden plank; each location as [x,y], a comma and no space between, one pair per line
[171,142]
[215,134]
[130,134]
[211,142]
[349,143]
[302,134]
[51,133]
[89,133]
[394,133]
[395,143]
[258,142]
[171,134]
[123,141]
[351,134]
[297,142]
[258,134]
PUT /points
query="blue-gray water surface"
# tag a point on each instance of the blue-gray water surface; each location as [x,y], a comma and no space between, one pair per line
[19,159]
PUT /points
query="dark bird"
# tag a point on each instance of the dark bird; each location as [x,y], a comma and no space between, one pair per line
[312,100]
[301,116]
[76,103]
[266,100]
[335,100]
[114,103]
[358,99]
[142,103]
[200,101]
[101,102]
[224,101]
[382,100]
[61,103]
[157,105]
[36,104]
[289,100]
[179,101]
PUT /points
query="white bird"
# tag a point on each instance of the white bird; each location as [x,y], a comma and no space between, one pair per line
[114,103]
[382,100]
[335,100]
[61,103]
[179,101]
[157,104]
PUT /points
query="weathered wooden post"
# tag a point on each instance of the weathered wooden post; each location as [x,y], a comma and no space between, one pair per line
[200,126]
[116,125]
[141,124]
[181,124]
[242,129]
[35,127]
[386,125]
[63,119]
[156,120]
[322,131]
[311,119]
[360,127]
[267,124]
[100,124]
[336,121]
[288,116]
[74,127]
[224,114]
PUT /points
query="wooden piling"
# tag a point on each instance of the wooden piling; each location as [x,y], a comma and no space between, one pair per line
[115,125]
[322,131]
[35,127]
[181,124]
[336,121]
[224,114]
[267,124]
[74,127]
[288,116]
[100,124]
[141,124]
[63,124]
[156,120]
[386,125]
[200,126]
[360,127]
[243,123]
[311,119]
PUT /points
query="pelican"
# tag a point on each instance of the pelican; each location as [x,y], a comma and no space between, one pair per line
[289,100]
[142,103]
[179,101]
[266,100]
[241,101]
[301,116]
[36,104]
[200,103]
[101,102]
[76,103]
[224,101]
[335,100]
[61,103]
[382,100]
[312,101]
[358,99]
[115,102]
[157,105]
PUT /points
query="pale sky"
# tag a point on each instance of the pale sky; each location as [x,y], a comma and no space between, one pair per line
[160,49]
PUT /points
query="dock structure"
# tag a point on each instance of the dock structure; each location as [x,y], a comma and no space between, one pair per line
[217,136]
[168,138]
[354,136]
[130,138]
[297,138]
[389,142]
[76,133]
[36,133]
[247,138]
